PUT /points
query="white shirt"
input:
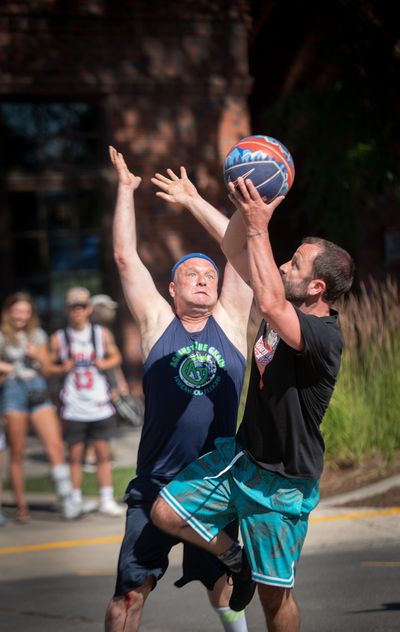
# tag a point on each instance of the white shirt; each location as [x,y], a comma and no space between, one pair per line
[85,395]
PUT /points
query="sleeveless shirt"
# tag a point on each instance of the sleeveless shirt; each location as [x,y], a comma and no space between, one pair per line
[192,383]
[85,394]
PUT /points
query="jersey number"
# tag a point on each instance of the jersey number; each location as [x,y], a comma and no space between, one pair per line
[83,379]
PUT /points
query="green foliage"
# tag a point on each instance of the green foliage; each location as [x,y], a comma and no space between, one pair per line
[44,484]
[344,160]
[363,417]
[338,115]
[121,478]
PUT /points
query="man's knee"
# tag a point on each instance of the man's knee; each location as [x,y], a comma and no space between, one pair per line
[164,517]
[273,598]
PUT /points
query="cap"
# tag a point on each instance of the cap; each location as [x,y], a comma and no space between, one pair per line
[192,255]
[77,295]
[103,299]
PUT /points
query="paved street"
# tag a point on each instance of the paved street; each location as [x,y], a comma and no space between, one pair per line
[59,576]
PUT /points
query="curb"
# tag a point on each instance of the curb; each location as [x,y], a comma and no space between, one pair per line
[363,492]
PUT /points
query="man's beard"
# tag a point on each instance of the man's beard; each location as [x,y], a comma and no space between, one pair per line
[296,292]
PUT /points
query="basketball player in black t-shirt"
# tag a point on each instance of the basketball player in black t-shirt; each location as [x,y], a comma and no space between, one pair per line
[267,477]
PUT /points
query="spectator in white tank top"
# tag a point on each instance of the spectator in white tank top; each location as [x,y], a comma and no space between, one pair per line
[82,353]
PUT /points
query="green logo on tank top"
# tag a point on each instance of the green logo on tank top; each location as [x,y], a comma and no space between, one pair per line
[197,367]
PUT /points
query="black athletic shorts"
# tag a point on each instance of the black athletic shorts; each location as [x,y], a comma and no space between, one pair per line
[86,431]
[145,549]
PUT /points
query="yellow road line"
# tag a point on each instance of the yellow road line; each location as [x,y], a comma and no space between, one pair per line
[68,544]
[62,544]
[357,515]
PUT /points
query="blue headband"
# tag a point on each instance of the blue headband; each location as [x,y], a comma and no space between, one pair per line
[192,255]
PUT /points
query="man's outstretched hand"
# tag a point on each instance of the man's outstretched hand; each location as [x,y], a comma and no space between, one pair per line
[125,177]
[174,189]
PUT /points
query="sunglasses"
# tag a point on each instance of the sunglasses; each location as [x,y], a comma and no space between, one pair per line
[78,306]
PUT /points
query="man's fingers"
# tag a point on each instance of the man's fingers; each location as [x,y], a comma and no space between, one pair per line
[183,173]
[253,193]
[234,192]
[242,187]
[160,176]
[276,202]
[164,196]
[233,199]
[172,175]
[112,153]
[231,187]
[162,184]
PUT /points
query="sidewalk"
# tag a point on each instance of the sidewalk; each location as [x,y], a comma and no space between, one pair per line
[331,524]
[124,448]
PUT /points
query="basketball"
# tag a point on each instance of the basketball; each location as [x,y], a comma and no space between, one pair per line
[265,161]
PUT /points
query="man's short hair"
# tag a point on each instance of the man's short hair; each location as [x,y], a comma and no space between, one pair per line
[334,265]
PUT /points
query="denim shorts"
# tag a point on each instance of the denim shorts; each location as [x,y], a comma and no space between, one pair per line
[145,548]
[15,395]
[272,510]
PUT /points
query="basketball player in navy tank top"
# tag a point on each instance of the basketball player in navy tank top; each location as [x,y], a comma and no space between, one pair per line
[194,357]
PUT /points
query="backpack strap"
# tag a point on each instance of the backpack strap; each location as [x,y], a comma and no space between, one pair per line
[67,342]
[93,338]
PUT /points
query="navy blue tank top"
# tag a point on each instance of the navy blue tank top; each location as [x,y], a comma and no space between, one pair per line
[192,383]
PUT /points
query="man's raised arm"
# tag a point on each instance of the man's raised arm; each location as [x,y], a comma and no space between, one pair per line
[148,307]
[234,245]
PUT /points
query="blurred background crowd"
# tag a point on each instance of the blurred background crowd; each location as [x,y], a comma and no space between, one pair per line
[69,389]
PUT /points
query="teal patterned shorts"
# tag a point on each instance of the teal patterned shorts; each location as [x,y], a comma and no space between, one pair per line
[272,510]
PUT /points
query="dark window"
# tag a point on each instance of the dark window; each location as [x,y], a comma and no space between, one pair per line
[50,135]
[50,159]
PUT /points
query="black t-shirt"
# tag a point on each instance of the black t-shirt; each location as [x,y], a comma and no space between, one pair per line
[285,405]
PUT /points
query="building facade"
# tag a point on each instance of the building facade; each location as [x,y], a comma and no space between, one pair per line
[165,83]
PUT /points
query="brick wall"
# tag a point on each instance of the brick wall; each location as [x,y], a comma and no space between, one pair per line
[173,80]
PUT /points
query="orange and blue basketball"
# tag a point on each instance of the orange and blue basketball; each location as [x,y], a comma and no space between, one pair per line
[263,159]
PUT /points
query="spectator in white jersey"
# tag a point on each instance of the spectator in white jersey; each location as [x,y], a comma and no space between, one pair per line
[83,353]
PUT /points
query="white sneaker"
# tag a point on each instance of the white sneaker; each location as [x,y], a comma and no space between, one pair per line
[111,508]
[73,509]
[89,506]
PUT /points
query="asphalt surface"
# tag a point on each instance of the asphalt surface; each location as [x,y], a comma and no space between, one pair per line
[59,576]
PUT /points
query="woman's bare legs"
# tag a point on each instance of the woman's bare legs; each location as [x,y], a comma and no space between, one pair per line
[16,424]
[47,427]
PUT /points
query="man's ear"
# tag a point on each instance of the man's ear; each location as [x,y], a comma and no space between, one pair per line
[317,286]
[171,289]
